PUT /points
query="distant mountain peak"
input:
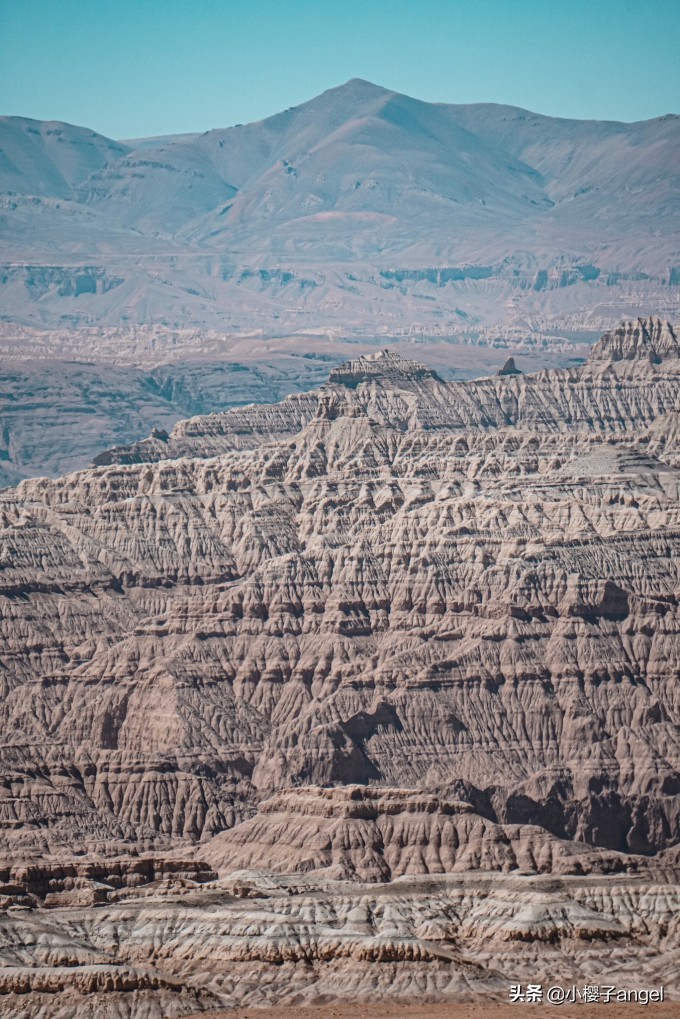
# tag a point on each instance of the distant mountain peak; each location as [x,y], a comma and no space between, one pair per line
[361,83]
[360,209]
[352,95]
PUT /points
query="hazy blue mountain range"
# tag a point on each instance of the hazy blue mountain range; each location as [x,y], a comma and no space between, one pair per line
[362,210]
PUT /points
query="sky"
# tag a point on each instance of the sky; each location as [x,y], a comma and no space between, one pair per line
[135,68]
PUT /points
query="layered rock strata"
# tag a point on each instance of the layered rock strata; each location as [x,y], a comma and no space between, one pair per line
[264,941]
[629,382]
[470,591]
[360,833]
[409,647]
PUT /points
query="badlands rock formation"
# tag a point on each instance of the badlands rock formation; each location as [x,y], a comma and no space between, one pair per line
[465,589]
[591,398]
[394,629]
[58,409]
[379,835]
[256,939]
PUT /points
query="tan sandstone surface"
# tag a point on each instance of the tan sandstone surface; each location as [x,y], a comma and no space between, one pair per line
[369,694]
[407,592]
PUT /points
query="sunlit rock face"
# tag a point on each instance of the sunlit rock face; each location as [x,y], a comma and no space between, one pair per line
[602,396]
[650,338]
[468,591]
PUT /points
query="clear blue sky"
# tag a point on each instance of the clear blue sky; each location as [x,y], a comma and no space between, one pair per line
[130,68]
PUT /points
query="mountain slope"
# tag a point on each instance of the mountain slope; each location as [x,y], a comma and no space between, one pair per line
[455,216]
[360,169]
[50,159]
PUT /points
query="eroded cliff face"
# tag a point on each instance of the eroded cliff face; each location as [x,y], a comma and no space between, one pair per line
[469,591]
[359,833]
[615,391]
[371,693]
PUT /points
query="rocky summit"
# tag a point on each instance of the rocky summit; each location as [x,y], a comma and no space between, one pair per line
[384,673]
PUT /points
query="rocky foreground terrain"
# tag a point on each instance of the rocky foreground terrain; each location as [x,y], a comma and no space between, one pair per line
[372,692]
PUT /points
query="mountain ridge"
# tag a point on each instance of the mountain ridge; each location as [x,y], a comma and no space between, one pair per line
[566,398]
[292,221]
